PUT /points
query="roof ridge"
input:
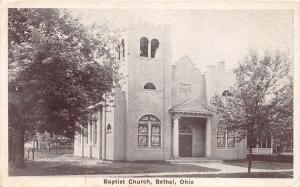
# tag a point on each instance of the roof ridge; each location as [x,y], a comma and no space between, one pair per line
[200,107]
[183,103]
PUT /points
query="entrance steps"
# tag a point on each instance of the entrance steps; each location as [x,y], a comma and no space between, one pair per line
[193,160]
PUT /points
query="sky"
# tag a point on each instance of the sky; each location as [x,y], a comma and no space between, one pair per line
[209,36]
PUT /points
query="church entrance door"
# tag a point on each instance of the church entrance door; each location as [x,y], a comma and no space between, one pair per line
[185,145]
[185,142]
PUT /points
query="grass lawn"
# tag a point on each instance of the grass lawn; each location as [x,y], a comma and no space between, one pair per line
[243,175]
[93,167]
[261,164]
[57,163]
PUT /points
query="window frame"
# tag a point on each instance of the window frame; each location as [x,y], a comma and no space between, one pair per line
[143,134]
[150,84]
[228,136]
[145,45]
[157,124]
[149,134]
[226,93]
[154,45]
[225,138]
[185,89]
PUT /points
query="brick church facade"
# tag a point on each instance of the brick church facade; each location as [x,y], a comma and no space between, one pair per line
[160,110]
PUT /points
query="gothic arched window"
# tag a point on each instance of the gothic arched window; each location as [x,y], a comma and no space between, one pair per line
[144,42]
[149,86]
[154,47]
[149,132]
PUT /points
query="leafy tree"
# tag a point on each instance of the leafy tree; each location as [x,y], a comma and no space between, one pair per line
[261,100]
[281,117]
[57,67]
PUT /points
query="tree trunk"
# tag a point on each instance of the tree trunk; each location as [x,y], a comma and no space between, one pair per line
[19,148]
[16,137]
[11,148]
[250,138]
[250,159]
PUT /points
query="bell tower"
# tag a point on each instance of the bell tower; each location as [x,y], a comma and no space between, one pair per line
[147,65]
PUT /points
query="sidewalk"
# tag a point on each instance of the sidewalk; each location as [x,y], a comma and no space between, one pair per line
[224,169]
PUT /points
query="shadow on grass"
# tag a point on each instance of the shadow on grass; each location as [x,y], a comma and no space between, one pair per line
[43,168]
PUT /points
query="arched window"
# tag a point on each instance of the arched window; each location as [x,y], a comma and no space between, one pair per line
[154,47]
[149,86]
[108,128]
[226,93]
[149,132]
[144,42]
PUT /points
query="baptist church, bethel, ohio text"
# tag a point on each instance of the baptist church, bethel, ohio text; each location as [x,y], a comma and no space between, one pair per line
[147,181]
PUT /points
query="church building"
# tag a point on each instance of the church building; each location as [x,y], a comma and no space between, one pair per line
[160,111]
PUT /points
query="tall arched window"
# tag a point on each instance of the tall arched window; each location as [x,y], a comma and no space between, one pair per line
[144,42]
[149,86]
[149,132]
[154,47]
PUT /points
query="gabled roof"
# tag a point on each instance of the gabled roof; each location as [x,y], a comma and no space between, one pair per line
[193,106]
[186,61]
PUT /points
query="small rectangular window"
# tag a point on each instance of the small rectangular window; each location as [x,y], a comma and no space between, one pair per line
[221,138]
